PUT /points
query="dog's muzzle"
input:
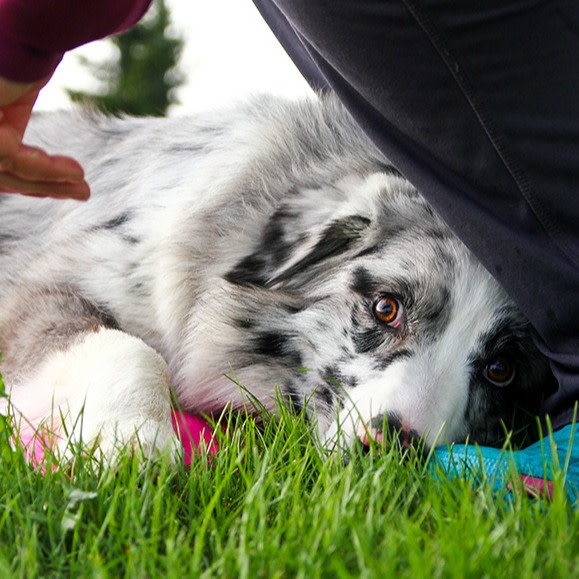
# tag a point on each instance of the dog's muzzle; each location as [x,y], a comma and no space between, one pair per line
[390,430]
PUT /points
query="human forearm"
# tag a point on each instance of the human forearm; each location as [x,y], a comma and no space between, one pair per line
[34,34]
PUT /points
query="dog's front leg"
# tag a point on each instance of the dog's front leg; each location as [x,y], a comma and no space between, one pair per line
[72,379]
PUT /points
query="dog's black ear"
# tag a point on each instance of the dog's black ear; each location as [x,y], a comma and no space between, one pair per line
[281,257]
[337,238]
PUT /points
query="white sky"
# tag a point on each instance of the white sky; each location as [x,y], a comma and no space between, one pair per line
[229,51]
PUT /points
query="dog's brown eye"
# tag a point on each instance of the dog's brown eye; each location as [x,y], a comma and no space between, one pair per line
[388,310]
[500,371]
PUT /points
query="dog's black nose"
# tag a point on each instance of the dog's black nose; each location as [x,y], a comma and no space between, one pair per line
[391,430]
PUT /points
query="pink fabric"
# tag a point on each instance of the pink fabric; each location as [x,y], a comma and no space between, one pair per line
[35,444]
[34,34]
[535,486]
[36,440]
[195,434]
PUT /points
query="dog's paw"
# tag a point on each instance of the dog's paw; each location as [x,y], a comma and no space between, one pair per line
[108,392]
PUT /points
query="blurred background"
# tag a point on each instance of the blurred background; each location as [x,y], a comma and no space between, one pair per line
[224,50]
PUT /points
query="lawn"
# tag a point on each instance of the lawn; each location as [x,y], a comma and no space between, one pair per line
[268,505]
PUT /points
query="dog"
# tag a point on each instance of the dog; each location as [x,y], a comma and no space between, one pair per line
[263,252]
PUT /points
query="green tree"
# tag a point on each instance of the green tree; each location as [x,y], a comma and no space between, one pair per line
[142,78]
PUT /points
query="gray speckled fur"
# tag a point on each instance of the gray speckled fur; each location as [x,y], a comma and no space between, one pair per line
[254,241]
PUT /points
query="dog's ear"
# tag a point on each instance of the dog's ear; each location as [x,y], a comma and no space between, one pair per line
[286,257]
[336,239]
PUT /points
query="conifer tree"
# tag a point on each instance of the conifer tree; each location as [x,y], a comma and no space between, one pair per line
[142,78]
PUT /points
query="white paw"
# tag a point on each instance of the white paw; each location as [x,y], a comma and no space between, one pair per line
[110,390]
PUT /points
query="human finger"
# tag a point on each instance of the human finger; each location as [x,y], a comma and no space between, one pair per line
[10,183]
[33,164]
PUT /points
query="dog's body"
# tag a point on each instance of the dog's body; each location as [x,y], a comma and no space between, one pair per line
[270,243]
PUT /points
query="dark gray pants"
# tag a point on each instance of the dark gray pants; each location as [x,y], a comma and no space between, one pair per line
[477,104]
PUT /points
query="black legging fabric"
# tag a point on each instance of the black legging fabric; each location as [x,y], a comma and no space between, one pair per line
[477,104]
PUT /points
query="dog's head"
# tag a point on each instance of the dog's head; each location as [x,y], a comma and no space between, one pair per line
[361,305]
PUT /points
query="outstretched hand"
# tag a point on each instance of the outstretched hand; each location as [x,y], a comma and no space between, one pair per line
[29,170]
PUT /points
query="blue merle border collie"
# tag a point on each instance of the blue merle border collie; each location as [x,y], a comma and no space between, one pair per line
[269,241]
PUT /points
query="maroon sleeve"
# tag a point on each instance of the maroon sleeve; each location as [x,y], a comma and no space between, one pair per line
[34,34]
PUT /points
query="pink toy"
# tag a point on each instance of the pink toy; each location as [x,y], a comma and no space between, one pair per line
[36,442]
[196,435]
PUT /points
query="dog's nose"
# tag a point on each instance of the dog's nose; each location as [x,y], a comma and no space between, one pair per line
[390,429]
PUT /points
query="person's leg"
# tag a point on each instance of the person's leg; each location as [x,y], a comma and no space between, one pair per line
[476,104]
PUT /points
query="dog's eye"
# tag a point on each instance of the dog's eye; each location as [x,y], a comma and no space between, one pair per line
[500,371]
[388,310]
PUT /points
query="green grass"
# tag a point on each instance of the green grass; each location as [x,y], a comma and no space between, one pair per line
[269,506]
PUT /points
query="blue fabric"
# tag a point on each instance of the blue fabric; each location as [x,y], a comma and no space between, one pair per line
[553,456]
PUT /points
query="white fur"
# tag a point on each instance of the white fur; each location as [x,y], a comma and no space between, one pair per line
[108,388]
[248,244]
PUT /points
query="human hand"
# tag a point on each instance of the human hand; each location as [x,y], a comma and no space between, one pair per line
[29,170]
